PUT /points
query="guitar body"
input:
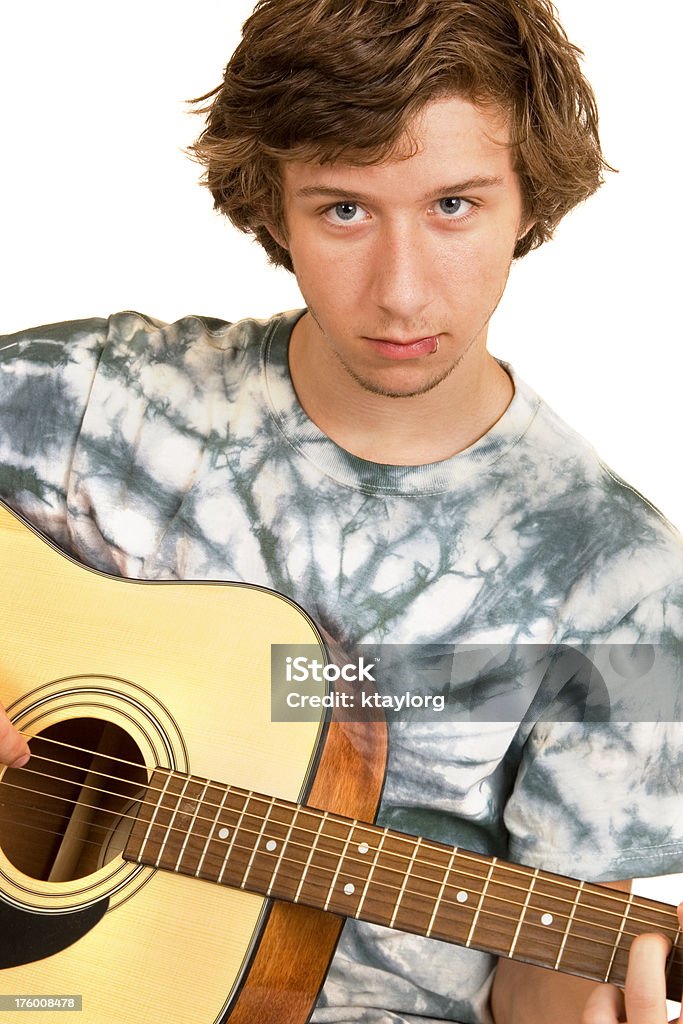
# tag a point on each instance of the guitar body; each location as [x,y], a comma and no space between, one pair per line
[170,674]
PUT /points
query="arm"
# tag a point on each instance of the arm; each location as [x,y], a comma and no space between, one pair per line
[46,377]
[523,994]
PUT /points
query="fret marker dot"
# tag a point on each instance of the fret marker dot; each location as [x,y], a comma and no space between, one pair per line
[363,848]
[349,889]
[271,845]
[461,897]
[224,833]
[547,919]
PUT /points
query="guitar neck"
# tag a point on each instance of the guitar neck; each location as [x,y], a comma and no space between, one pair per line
[292,852]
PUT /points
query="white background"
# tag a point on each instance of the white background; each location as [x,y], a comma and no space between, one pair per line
[100,211]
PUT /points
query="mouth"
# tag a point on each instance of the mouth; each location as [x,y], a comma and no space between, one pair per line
[408,348]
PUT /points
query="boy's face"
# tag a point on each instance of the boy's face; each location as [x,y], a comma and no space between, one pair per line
[393,256]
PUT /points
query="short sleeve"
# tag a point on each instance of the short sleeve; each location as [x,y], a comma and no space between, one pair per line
[46,377]
[603,800]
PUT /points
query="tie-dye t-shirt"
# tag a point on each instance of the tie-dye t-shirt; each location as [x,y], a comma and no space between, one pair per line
[180,451]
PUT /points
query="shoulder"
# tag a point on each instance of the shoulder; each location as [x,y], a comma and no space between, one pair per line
[135,333]
[136,351]
[53,344]
[615,547]
[139,334]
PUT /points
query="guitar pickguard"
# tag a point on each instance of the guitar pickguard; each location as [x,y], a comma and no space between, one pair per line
[26,937]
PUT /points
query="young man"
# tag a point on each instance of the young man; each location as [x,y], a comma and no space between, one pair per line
[368,457]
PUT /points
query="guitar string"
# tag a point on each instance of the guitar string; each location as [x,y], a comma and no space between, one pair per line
[83,750]
[512,869]
[627,934]
[54,831]
[301,829]
[464,856]
[674,961]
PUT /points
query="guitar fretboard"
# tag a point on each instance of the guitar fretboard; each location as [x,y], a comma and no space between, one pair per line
[291,852]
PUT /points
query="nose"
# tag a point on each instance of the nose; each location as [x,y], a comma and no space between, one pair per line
[401,279]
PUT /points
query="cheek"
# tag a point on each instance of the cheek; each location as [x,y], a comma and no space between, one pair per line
[474,269]
[326,291]
[332,272]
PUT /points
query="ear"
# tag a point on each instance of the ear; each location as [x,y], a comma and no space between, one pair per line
[525,227]
[277,235]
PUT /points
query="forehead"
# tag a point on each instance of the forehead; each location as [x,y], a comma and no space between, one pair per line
[450,140]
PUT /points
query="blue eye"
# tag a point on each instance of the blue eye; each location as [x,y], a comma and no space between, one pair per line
[450,205]
[346,211]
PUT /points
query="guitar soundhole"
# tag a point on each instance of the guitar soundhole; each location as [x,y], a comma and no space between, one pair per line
[69,811]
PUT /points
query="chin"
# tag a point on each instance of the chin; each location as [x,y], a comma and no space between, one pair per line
[387,387]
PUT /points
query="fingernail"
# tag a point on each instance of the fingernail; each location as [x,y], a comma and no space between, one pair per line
[20,761]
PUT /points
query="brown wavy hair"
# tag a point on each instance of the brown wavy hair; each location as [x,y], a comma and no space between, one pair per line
[325,80]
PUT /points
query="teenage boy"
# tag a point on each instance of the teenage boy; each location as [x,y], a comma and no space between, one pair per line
[368,457]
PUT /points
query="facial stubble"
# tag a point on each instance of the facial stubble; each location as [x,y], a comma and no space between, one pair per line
[372,387]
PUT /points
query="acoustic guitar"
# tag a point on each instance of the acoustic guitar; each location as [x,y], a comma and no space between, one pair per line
[136,887]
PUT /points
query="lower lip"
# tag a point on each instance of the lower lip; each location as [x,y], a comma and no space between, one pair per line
[409,350]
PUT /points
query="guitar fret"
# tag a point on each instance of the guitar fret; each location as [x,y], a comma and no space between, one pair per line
[190,852]
[396,898]
[569,924]
[310,857]
[592,948]
[481,900]
[389,870]
[619,936]
[282,852]
[405,882]
[649,918]
[349,867]
[235,833]
[456,911]
[347,900]
[178,828]
[188,834]
[521,916]
[169,827]
[322,875]
[335,876]
[257,841]
[210,835]
[371,873]
[152,821]
[546,919]
[441,892]
[272,856]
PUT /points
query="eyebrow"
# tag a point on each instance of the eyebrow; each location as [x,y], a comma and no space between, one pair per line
[457,189]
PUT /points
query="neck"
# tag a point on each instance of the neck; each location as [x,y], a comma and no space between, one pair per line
[277,848]
[411,430]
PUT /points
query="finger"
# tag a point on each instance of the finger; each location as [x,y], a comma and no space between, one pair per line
[645,989]
[605,1006]
[13,747]
[679,1019]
